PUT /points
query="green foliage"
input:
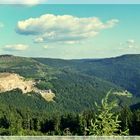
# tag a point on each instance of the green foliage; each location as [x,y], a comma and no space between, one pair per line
[106,122]
[44,85]
[23,121]
[76,84]
[74,91]
[123,71]
[126,120]
[135,127]
[75,88]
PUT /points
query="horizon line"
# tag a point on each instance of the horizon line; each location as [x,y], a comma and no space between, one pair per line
[4,55]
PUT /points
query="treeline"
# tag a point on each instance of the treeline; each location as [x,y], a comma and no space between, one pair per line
[123,71]
[105,121]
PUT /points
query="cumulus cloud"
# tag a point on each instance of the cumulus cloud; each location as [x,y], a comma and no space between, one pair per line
[16,47]
[129,44]
[26,2]
[62,28]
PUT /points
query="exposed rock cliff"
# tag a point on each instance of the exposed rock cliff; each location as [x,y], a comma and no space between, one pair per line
[10,81]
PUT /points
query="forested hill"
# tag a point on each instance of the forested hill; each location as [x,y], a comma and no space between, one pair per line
[77,84]
[123,71]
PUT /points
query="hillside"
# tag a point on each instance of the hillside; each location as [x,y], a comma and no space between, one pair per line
[23,66]
[75,85]
[123,71]
[74,91]
[12,81]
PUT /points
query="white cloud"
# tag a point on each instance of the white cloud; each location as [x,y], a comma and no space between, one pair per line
[131,41]
[39,40]
[71,42]
[63,28]
[26,2]
[16,47]
[45,47]
[129,44]
[1,25]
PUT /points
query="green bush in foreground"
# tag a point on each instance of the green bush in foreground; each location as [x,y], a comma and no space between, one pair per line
[106,122]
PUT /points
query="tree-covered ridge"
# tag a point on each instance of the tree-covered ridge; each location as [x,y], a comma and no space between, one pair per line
[23,66]
[123,71]
[77,84]
[24,121]
[75,87]
[74,91]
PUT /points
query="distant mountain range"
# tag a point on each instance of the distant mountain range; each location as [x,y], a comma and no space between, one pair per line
[123,71]
[77,84]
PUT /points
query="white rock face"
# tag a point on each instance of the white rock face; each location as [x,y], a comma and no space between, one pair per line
[10,81]
[46,94]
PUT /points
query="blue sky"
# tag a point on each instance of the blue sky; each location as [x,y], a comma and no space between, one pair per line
[71,1]
[69,31]
[95,1]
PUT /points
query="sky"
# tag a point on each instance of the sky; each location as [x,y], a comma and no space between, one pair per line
[70,31]
[70,1]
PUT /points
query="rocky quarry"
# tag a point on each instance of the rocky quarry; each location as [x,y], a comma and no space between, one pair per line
[11,81]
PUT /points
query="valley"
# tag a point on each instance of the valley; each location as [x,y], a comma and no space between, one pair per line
[42,96]
[72,84]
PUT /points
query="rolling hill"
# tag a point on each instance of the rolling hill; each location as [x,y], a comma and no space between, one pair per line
[123,71]
[77,84]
